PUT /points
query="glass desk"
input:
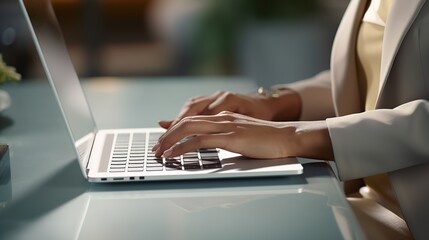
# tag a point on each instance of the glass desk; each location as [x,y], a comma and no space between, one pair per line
[50,199]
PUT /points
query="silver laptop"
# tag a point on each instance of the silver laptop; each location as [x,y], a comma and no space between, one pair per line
[116,155]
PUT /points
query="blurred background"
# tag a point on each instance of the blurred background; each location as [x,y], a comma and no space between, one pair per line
[269,41]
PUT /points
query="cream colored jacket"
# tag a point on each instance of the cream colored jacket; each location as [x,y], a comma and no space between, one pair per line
[394,138]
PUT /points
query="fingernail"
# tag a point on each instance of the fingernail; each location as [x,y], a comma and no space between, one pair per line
[164,123]
[155,147]
[158,154]
[168,153]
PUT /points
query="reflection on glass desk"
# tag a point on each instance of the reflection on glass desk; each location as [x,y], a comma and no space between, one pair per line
[277,208]
[51,200]
[194,213]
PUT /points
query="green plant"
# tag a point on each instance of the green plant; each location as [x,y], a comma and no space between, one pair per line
[7,73]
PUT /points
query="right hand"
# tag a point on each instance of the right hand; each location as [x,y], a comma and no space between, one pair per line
[235,132]
[256,106]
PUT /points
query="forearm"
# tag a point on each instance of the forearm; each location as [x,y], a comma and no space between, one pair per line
[312,140]
[315,95]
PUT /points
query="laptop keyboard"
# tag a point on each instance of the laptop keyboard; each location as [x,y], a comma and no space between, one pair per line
[132,153]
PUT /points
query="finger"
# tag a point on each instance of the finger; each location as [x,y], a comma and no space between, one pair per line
[188,128]
[196,106]
[227,102]
[201,141]
[165,124]
[221,117]
[155,147]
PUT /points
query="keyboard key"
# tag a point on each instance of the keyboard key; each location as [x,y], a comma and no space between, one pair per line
[173,168]
[154,161]
[120,150]
[173,164]
[212,166]
[118,163]
[208,158]
[117,167]
[194,160]
[190,156]
[135,170]
[134,160]
[131,165]
[137,160]
[152,169]
[191,166]
[137,151]
[205,162]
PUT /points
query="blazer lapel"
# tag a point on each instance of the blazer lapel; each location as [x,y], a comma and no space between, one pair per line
[401,17]
[343,61]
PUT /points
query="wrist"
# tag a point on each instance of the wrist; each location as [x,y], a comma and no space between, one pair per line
[312,140]
[284,104]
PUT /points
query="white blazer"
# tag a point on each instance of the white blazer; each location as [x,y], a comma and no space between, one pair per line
[394,138]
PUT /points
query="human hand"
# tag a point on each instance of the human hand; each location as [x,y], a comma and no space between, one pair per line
[257,106]
[234,132]
[248,136]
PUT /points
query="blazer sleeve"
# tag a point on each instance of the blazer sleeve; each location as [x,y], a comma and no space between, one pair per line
[316,96]
[381,140]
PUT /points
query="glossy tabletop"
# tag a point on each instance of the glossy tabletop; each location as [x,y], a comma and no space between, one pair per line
[46,196]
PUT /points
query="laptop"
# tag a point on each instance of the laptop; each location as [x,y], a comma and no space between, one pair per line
[118,155]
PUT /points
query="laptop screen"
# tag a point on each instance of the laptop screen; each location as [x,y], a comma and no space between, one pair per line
[61,73]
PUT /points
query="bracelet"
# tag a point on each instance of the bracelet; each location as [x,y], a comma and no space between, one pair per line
[268,92]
